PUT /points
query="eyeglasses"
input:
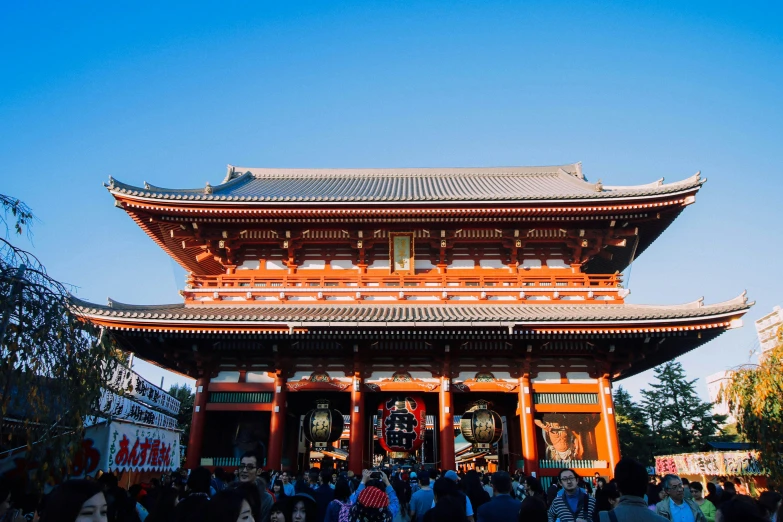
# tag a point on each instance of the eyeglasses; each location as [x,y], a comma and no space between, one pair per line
[567,479]
[249,467]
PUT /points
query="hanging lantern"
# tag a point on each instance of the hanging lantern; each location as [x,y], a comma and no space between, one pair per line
[481,426]
[323,425]
[401,426]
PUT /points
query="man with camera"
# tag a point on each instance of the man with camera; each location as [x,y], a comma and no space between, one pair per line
[377,478]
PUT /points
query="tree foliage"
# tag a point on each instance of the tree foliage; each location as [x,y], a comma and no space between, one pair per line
[186,399]
[632,428]
[50,371]
[671,417]
[755,396]
[681,420]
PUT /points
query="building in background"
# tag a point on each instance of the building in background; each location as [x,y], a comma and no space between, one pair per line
[714,382]
[767,329]
[478,293]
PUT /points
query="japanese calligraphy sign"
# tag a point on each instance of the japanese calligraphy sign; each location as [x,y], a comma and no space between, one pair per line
[728,463]
[141,448]
[113,405]
[402,422]
[129,383]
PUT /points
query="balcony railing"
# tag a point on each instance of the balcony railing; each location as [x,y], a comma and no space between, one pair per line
[575,464]
[350,285]
[456,278]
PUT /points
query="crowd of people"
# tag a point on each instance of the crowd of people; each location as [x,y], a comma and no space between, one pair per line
[252,494]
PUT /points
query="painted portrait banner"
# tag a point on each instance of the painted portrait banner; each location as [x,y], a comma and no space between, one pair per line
[567,437]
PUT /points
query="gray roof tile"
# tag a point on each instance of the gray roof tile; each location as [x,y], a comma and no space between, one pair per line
[564,182]
[405,314]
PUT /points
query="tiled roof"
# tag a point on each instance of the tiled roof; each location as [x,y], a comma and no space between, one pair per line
[414,314]
[286,186]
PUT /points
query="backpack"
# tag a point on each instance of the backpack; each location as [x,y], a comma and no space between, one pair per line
[345,511]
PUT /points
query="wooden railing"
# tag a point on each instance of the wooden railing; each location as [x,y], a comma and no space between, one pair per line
[552,279]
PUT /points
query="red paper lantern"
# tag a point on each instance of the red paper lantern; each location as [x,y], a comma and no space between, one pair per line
[402,423]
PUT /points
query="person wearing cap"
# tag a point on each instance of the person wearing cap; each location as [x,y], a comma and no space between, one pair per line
[452,476]
[422,500]
[501,506]
[367,481]
[372,505]
[303,508]
[414,480]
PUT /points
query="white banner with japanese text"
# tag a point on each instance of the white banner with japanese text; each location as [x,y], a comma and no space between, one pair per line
[141,448]
[127,382]
[113,405]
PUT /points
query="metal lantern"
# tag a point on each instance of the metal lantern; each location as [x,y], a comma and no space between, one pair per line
[323,425]
[402,421]
[481,426]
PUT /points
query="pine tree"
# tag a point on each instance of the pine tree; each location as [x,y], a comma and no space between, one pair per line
[186,399]
[680,420]
[632,428]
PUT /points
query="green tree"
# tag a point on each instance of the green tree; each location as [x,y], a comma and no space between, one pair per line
[186,398]
[680,421]
[632,428]
[49,354]
[755,397]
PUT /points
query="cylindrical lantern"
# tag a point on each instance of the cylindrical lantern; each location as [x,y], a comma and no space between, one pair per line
[402,423]
[323,425]
[481,426]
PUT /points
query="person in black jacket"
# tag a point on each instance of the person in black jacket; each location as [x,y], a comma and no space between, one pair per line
[193,508]
[502,507]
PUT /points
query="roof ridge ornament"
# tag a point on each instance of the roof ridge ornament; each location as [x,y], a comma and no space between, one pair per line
[579,173]
[230,173]
[599,186]
[208,188]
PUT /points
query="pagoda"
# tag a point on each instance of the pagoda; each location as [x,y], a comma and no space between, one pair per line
[497,286]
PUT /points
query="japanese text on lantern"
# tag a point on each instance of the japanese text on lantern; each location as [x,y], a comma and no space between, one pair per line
[401,424]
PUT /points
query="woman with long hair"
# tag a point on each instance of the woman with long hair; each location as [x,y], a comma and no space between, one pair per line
[165,506]
[449,504]
[533,488]
[342,501]
[278,490]
[76,501]
[303,508]
[471,486]
[229,505]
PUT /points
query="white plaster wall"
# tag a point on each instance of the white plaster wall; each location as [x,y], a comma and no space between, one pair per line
[227,376]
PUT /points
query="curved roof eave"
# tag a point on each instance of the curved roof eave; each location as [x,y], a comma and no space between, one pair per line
[531,194]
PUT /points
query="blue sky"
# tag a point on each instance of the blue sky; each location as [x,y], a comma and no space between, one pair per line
[170,94]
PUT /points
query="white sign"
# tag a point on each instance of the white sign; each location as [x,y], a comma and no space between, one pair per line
[140,448]
[113,405]
[130,383]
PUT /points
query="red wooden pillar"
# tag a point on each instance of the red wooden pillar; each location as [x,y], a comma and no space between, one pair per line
[527,426]
[356,441]
[446,425]
[610,422]
[197,424]
[277,424]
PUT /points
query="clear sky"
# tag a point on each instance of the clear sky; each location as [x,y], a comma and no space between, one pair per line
[170,93]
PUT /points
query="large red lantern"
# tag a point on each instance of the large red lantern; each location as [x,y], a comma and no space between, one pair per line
[403,420]
[481,426]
